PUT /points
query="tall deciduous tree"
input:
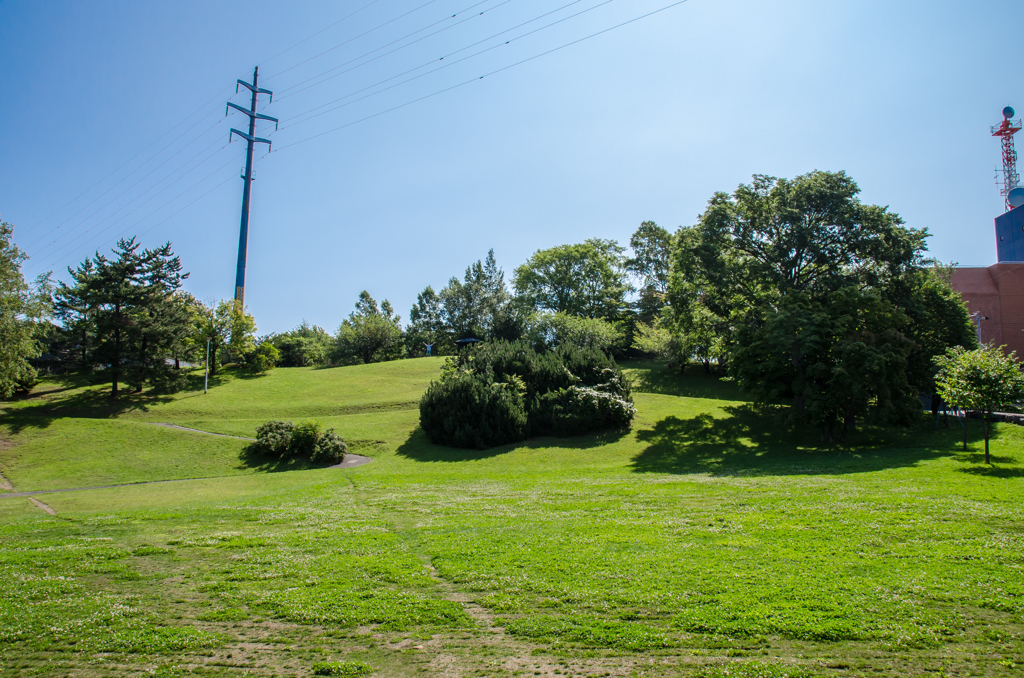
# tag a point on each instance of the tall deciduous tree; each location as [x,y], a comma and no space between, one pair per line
[796,278]
[588,279]
[983,380]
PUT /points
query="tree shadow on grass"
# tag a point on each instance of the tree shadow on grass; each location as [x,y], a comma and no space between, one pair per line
[654,376]
[752,443]
[418,448]
[251,458]
[39,410]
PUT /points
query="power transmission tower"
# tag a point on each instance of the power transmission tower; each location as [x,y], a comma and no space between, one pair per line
[251,138]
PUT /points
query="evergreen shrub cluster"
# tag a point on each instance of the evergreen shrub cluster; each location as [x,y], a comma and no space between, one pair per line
[284,440]
[503,392]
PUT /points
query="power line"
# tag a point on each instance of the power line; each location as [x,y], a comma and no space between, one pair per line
[122,193]
[449,64]
[348,16]
[408,35]
[176,139]
[63,254]
[340,45]
[505,68]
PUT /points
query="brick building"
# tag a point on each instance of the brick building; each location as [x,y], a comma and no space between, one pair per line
[996,292]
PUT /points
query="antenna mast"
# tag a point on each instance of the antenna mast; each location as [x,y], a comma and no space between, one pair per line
[1005,131]
[251,138]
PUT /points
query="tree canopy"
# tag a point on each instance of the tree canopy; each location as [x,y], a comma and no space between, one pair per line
[588,279]
[983,380]
[810,295]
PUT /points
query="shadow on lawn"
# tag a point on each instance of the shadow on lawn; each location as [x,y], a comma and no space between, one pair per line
[654,376]
[39,409]
[257,461]
[752,443]
[419,448]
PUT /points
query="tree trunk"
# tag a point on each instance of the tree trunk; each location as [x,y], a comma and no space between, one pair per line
[212,359]
[177,364]
[965,430]
[116,366]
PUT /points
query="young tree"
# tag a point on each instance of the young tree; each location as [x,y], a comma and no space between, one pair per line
[369,334]
[236,329]
[21,308]
[588,279]
[551,330]
[982,380]
[73,308]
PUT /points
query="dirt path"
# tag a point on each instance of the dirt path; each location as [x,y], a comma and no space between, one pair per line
[5,484]
[195,430]
[42,506]
[351,461]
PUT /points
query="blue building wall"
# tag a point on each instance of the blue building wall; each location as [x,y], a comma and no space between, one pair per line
[1010,236]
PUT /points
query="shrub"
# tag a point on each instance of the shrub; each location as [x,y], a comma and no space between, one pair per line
[274,438]
[301,351]
[262,359]
[304,438]
[503,392]
[330,449]
[344,669]
[283,440]
[466,412]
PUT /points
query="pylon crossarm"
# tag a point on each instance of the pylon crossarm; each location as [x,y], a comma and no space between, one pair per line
[247,137]
[258,116]
[258,90]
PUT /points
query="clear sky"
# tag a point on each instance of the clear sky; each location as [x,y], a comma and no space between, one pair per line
[112,123]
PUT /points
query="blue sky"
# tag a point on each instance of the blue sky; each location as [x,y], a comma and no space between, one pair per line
[112,123]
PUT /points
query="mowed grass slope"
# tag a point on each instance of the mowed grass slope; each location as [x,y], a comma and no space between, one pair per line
[71,434]
[706,541]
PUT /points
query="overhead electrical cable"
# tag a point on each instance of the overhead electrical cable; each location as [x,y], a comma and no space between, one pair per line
[327,28]
[397,49]
[439,68]
[485,75]
[148,174]
[64,253]
[150,159]
[342,44]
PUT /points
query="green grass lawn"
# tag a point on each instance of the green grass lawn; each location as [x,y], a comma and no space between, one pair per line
[709,540]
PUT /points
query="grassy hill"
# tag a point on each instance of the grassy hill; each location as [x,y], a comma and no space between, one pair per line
[708,540]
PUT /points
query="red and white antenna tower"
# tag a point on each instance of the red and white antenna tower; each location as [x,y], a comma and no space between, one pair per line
[1005,131]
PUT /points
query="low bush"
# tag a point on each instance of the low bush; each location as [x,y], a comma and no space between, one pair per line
[344,669]
[262,359]
[284,440]
[503,392]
